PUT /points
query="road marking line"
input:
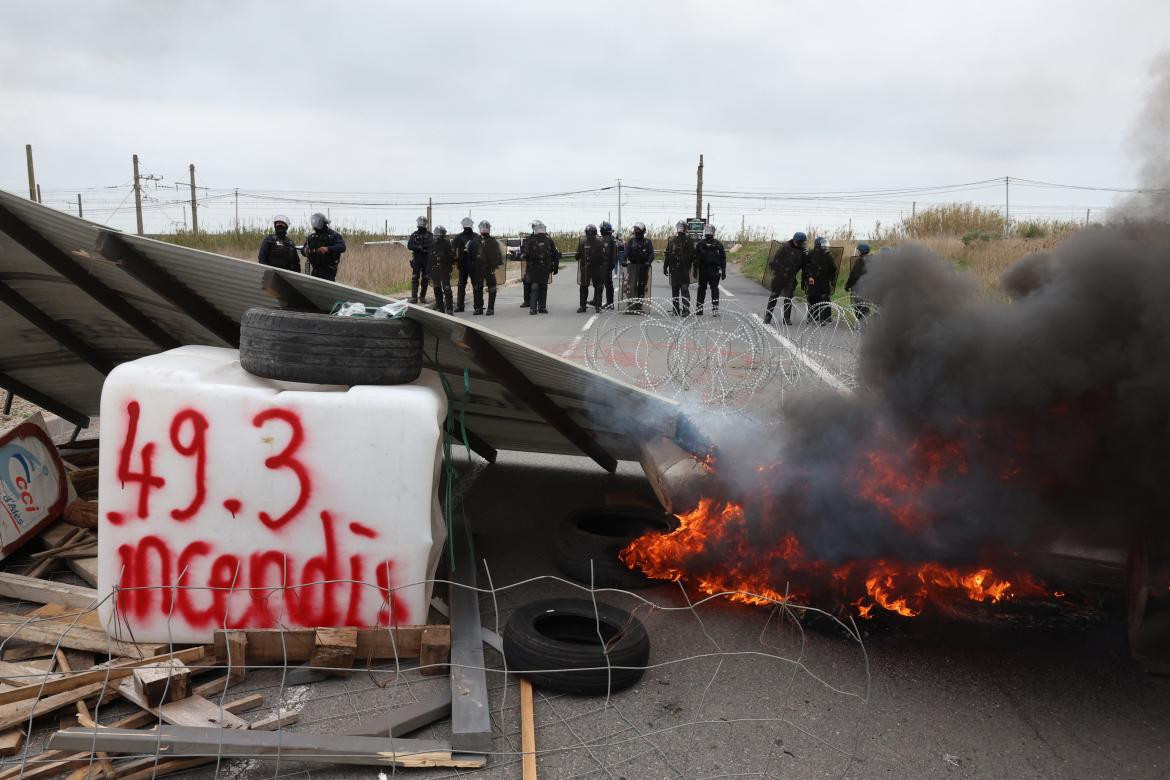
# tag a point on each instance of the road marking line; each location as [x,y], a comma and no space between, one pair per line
[589,322]
[725,291]
[826,376]
[572,345]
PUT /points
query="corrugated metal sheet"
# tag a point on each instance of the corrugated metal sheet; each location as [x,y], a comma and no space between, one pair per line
[615,415]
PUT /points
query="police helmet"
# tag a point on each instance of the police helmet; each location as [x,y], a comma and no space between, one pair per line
[708,229]
[821,242]
[485,227]
[421,222]
[799,237]
[318,221]
[863,249]
[280,218]
[681,225]
[591,229]
[440,230]
[639,227]
[466,222]
[538,227]
[606,227]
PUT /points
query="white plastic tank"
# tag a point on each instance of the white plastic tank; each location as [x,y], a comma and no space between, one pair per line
[231,501]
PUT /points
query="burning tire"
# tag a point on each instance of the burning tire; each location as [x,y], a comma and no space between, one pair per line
[597,535]
[323,349]
[556,643]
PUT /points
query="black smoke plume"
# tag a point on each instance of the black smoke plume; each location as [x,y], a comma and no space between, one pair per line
[983,427]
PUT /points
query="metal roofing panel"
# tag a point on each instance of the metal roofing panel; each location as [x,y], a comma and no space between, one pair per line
[614,414]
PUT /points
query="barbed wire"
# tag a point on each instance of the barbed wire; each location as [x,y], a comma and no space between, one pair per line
[574,740]
[722,359]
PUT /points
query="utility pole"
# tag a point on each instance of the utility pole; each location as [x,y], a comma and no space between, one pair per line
[39,199]
[708,212]
[386,227]
[619,228]
[1007,203]
[194,203]
[430,224]
[80,213]
[237,209]
[32,177]
[137,196]
[699,190]
[1087,217]
[913,210]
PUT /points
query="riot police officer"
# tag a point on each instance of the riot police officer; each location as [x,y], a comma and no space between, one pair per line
[711,259]
[541,258]
[440,258]
[419,245]
[787,263]
[277,249]
[591,267]
[323,248]
[679,265]
[860,306]
[819,279]
[486,258]
[639,257]
[610,259]
[464,244]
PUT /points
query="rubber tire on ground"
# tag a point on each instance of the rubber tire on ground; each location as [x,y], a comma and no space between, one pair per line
[598,535]
[323,349]
[560,635]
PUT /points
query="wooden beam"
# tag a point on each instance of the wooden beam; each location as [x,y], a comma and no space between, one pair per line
[527,731]
[494,363]
[59,408]
[163,683]
[267,646]
[54,329]
[49,254]
[283,746]
[65,632]
[117,671]
[435,652]
[39,591]
[113,247]
[191,711]
[334,650]
[277,286]
[471,725]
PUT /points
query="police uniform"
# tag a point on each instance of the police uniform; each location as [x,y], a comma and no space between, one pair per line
[486,258]
[279,251]
[711,260]
[419,245]
[679,265]
[542,258]
[324,266]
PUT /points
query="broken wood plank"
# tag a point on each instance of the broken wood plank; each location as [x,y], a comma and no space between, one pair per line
[236,645]
[527,731]
[115,671]
[163,683]
[11,741]
[86,568]
[62,549]
[18,675]
[191,711]
[19,712]
[471,726]
[84,718]
[310,748]
[40,591]
[51,762]
[333,651]
[409,718]
[66,633]
[435,652]
[267,646]
[277,721]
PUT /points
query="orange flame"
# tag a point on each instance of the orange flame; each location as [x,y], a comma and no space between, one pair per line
[764,576]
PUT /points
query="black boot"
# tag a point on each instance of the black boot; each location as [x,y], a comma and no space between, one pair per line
[491,309]
[413,292]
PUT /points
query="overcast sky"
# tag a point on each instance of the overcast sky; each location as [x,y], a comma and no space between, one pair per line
[472,97]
